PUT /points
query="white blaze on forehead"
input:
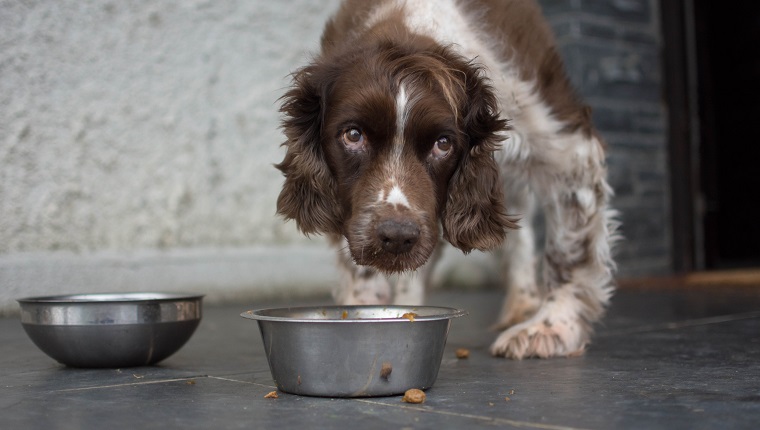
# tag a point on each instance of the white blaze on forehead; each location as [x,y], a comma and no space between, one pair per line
[404,105]
[393,165]
[396,196]
[402,100]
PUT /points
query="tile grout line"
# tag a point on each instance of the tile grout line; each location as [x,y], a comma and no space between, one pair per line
[242,382]
[160,381]
[471,416]
[128,384]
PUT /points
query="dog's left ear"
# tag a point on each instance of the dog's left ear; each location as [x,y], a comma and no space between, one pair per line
[474,216]
[308,194]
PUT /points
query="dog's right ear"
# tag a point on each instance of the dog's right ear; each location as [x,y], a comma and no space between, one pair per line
[309,194]
[474,216]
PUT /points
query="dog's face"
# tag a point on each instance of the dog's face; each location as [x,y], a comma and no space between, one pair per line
[385,144]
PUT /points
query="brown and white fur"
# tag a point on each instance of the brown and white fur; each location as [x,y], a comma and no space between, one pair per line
[453,119]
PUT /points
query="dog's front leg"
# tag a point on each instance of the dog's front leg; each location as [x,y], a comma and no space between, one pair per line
[518,260]
[577,267]
[411,287]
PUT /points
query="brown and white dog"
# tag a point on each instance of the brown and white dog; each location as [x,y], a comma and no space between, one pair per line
[422,119]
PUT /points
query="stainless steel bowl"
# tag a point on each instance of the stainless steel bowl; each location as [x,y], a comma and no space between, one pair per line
[354,351]
[111,330]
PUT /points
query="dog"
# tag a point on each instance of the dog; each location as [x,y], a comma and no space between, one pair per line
[422,121]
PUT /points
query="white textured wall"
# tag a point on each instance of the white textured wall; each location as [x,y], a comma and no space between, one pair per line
[136,146]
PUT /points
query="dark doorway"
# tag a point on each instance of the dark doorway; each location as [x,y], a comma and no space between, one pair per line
[712,70]
[728,76]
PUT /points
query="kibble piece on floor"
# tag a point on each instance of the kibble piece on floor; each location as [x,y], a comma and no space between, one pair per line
[413,395]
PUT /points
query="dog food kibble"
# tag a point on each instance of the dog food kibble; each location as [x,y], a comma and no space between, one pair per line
[462,353]
[271,395]
[413,395]
[386,370]
[409,315]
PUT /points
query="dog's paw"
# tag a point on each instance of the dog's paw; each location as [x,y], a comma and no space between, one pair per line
[540,339]
[556,330]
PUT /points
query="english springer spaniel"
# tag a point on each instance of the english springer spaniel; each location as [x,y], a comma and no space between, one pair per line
[422,119]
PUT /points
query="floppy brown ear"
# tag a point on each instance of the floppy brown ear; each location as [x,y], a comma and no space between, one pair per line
[308,195]
[475,216]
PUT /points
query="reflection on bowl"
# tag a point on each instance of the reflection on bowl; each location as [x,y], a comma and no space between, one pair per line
[111,330]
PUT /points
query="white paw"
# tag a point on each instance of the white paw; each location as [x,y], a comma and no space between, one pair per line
[556,330]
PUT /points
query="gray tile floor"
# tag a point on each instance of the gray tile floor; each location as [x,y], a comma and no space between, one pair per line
[668,359]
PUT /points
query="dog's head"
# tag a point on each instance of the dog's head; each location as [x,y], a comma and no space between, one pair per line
[385,143]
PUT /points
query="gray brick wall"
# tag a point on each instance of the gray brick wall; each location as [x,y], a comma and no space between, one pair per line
[611,50]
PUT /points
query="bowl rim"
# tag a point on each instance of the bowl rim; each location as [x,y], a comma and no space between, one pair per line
[104,298]
[444,313]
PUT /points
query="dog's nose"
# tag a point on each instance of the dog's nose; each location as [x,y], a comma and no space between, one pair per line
[397,237]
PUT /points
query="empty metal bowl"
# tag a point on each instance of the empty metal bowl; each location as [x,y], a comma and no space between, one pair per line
[111,330]
[354,351]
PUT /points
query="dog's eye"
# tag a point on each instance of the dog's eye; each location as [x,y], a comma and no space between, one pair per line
[353,139]
[441,148]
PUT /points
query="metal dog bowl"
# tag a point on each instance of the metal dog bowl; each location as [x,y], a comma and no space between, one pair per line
[111,330]
[354,351]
